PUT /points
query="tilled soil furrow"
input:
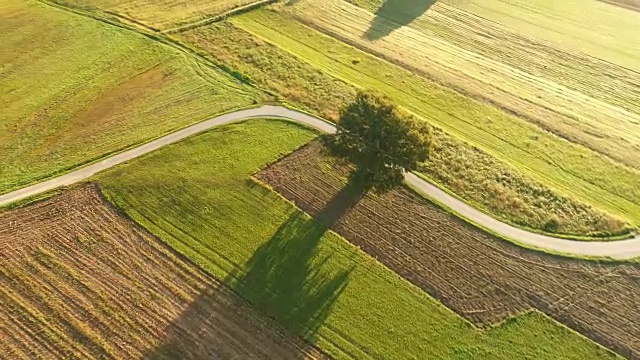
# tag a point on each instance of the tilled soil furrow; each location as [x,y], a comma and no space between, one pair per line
[483,278]
[80,281]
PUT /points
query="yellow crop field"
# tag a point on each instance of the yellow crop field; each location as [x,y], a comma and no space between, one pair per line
[578,97]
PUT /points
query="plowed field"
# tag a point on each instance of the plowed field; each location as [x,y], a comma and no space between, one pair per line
[77,280]
[480,277]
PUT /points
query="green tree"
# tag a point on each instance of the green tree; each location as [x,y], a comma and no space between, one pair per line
[380,140]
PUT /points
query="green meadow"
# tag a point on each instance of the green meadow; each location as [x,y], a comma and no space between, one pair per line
[75,89]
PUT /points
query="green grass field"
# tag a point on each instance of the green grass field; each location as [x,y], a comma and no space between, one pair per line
[570,169]
[587,100]
[476,176]
[75,89]
[198,197]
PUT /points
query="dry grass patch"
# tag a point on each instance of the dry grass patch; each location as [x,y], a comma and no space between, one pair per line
[162,14]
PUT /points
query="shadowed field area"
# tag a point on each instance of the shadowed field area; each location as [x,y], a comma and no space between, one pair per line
[394,14]
[628,4]
[198,196]
[77,280]
[482,278]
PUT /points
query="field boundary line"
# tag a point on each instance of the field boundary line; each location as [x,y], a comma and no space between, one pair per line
[219,17]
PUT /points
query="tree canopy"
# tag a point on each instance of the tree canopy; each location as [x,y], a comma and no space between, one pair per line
[380,140]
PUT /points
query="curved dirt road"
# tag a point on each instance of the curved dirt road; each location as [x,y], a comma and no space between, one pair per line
[624,249]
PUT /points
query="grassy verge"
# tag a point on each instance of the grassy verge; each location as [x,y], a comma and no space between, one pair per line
[477,177]
[198,197]
[75,89]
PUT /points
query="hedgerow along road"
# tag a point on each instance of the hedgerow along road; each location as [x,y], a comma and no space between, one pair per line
[621,250]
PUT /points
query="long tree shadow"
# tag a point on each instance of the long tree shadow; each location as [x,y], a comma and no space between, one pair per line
[394,14]
[218,324]
[287,279]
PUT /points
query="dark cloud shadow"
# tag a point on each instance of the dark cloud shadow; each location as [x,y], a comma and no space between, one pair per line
[394,14]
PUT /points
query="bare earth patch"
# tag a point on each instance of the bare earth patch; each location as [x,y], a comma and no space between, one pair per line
[629,4]
[77,280]
[477,275]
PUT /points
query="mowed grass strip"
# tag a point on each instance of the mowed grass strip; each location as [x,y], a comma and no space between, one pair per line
[162,14]
[74,89]
[197,196]
[567,168]
[589,101]
[602,30]
[472,174]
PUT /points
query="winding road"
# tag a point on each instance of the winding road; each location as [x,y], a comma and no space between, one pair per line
[623,249]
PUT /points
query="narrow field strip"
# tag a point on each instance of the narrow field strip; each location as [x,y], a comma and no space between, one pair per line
[466,171]
[601,30]
[79,280]
[163,14]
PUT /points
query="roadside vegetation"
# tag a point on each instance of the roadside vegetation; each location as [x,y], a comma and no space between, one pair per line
[480,178]
[380,140]
[570,169]
[198,197]
[75,89]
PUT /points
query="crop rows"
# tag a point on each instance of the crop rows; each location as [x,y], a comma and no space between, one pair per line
[480,277]
[584,99]
[79,281]
[75,89]
[508,195]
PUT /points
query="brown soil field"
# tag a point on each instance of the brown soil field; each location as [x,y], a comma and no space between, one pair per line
[629,4]
[481,277]
[78,280]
